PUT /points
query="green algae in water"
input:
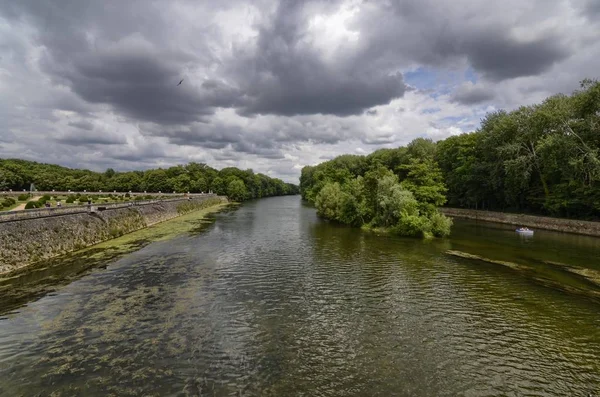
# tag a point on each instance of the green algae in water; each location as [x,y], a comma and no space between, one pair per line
[30,283]
[559,276]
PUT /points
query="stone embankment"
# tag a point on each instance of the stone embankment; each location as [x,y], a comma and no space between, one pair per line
[36,235]
[533,222]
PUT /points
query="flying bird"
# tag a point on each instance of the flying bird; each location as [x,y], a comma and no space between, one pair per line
[180,82]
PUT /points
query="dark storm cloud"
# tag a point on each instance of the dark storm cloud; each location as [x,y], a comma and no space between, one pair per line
[113,54]
[140,83]
[499,57]
[379,140]
[84,125]
[440,34]
[258,150]
[469,94]
[287,78]
[89,138]
[592,10]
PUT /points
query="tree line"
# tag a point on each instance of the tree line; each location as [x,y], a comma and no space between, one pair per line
[541,159]
[237,184]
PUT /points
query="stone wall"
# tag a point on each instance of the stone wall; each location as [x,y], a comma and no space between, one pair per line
[26,241]
[533,222]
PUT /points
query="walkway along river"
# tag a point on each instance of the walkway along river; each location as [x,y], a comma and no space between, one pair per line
[270,301]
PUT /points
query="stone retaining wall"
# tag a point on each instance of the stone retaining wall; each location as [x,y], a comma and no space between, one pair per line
[534,222]
[26,241]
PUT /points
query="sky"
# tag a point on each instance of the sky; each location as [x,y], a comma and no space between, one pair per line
[273,85]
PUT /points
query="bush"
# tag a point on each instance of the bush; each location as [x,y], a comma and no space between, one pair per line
[440,225]
[8,201]
[23,197]
[413,226]
[70,200]
[32,204]
[46,197]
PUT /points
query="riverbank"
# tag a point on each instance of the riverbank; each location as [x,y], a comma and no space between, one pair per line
[28,283]
[535,222]
[29,241]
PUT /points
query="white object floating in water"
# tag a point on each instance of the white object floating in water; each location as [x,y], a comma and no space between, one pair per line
[525,231]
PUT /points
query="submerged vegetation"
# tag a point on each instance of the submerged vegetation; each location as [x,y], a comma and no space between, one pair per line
[25,284]
[542,159]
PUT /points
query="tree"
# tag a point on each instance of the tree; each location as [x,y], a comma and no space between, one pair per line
[236,190]
[424,179]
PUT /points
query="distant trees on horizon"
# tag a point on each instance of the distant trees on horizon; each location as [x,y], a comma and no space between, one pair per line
[238,184]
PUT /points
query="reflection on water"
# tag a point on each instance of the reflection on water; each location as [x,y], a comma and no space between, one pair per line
[271,301]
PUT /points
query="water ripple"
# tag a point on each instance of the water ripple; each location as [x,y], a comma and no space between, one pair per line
[270,301]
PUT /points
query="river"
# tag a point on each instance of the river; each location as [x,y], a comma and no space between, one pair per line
[271,301]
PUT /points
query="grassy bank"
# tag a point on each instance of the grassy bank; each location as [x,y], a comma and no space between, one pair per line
[26,284]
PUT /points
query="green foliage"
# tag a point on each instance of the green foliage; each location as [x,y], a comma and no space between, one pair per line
[329,201]
[193,178]
[70,199]
[32,204]
[377,198]
[542,159]
[236,190]
[23,197]
[440,225]
[8,201]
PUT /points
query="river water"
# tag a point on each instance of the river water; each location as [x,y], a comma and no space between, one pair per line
[271,301]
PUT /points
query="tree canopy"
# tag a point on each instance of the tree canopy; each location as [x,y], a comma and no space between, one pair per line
[194,178]
[395,189]
[541,159]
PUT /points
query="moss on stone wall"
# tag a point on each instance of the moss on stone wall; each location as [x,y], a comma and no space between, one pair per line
[28,241]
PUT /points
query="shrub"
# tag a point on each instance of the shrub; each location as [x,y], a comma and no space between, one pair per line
[46,197]
[127,195]
[412,226]
[139,198]
[440,225]
[8,201]
[32,204]
[70,200]
[23,197]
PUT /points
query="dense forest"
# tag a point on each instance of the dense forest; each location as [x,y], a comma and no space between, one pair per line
[238,184]
[541,159]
